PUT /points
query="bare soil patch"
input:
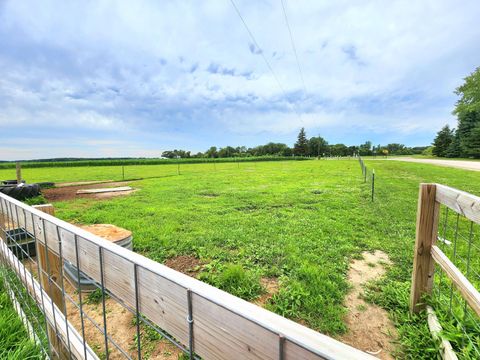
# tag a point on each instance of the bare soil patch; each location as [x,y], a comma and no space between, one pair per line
[271,287]
[369,327]
[189,265]
[70,192]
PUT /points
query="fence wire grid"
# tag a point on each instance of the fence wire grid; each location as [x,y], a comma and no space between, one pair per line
[459,239]
[81,308]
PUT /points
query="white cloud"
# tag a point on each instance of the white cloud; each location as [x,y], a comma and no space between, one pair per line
[143,66]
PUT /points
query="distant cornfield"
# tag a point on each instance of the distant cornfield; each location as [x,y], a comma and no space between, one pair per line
[113,162]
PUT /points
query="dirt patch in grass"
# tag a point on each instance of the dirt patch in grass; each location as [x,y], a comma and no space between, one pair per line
[70,192]
[271,287]
[209,194]
[186,264]
[369,328]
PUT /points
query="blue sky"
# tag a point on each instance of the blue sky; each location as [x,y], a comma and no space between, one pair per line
[134,78]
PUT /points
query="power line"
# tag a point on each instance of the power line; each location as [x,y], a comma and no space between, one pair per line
[293,47]
[257,46]
[263,56]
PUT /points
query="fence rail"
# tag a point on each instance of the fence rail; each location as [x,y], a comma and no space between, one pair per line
[200,319]
[457,298]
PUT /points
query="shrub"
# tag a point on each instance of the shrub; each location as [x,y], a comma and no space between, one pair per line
[235,280]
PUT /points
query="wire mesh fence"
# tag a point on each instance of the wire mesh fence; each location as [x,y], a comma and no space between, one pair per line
[459,240]
[446,268]
[85,298]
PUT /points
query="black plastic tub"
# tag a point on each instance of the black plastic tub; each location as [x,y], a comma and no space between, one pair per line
[86,283]
[21,243]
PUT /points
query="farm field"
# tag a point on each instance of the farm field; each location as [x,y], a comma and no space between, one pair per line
[295,224]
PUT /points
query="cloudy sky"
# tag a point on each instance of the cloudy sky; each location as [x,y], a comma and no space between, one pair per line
[134,78]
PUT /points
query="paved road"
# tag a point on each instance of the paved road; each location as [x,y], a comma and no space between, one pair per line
[461,164]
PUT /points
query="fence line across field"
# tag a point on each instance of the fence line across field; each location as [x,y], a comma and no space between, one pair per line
[365,174]
[198,318]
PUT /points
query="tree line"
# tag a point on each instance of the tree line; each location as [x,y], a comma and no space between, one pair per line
[315,146]
[464,140]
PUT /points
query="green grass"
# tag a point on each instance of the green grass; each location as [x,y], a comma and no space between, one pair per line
[86,173]
[150,161]
[14,342]
[301,222]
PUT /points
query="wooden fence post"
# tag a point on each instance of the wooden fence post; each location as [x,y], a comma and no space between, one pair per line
[51,264]
[426,236]
[19,172]
[3,225]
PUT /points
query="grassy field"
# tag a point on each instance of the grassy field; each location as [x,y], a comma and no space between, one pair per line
[144,161]
[299,222]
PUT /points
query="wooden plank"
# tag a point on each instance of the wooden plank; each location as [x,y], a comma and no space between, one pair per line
[217,328]
[50,264]
[468,291]
[163,299]
[104,190]
[52,313]
[446,350]
[426,235]
[3,225]
[459,201]
[80,183]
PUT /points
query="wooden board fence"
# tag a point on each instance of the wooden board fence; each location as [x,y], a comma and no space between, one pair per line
[428,254]
[224,326]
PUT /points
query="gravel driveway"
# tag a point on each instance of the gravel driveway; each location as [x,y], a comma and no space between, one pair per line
[461,164]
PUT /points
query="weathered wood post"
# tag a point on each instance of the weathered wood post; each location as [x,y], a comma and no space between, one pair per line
[426,236]
[3,225]
[19,172]
[51,264]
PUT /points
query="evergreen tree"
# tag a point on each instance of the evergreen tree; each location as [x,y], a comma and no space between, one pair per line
[454,150]
[301,146]
[442,141]
[471,145]
[466,123]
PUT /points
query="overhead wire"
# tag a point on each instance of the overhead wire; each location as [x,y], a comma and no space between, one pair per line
[294,48]
[260,51]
